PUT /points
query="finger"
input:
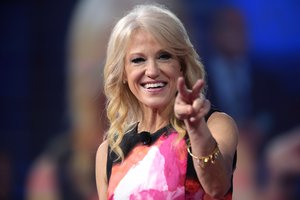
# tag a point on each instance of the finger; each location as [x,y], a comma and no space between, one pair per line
[198,86]
[183,111]
[197,106]
[182,89]
[200,108]
[198,103]
[204,109]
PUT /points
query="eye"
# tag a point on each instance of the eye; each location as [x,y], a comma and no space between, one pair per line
[165,56]
[138,60]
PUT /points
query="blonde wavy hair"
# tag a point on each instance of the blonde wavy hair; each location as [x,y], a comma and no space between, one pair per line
[123,108]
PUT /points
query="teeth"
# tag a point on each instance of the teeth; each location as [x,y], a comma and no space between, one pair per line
[154,85]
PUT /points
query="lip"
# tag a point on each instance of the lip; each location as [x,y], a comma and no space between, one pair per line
[154,90]
[154,84]
[163,85]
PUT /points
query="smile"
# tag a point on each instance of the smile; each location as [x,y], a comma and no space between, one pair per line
[154,85]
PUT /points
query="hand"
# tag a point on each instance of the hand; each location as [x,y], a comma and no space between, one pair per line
[190,105]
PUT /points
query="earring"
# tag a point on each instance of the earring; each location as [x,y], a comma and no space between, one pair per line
[124,82]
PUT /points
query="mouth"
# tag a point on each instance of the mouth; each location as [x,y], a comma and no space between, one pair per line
[154,85]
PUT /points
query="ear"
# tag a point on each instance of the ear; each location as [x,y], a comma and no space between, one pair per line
[124,79]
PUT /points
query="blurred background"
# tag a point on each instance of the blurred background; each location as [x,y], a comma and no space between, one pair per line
[52,115]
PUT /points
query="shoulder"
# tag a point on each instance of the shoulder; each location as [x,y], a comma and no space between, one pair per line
[223,129]
[101,155]
[101,178]
[221,119]
[101,160]
[103,147]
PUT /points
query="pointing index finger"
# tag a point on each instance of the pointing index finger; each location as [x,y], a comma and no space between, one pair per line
[182,89]
[197,88]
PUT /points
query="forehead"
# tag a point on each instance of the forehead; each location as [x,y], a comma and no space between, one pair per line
[141,39]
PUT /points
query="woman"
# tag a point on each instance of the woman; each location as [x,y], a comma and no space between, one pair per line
[164,140]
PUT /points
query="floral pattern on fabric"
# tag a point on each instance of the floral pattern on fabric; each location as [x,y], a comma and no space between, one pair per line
[157,172]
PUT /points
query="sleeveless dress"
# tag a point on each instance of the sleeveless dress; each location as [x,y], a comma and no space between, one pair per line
[156,166]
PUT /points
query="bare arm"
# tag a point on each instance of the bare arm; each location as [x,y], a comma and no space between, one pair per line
[219,130]
[101,179]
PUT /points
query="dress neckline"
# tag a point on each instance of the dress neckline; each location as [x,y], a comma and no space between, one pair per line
[148,138]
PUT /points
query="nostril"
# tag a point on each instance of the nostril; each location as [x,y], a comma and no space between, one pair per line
[152,70]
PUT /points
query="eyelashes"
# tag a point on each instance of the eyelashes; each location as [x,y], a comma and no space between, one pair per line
[164,56]
[138,60]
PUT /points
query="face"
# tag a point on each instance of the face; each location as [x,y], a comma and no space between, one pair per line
[150,71]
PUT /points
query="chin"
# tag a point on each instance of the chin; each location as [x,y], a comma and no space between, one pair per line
[159,104]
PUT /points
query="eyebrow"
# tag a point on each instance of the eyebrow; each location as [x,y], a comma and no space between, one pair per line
[158,52]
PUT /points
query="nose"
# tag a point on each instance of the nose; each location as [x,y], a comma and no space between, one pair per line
[152,69]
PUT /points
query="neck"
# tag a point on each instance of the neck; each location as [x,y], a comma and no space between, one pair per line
[153,122]
[151,128]
[155,119]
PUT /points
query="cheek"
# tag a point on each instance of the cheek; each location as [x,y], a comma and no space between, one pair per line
[133,77]
[178,67]
[174,75]
[128,73]
[176,71]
